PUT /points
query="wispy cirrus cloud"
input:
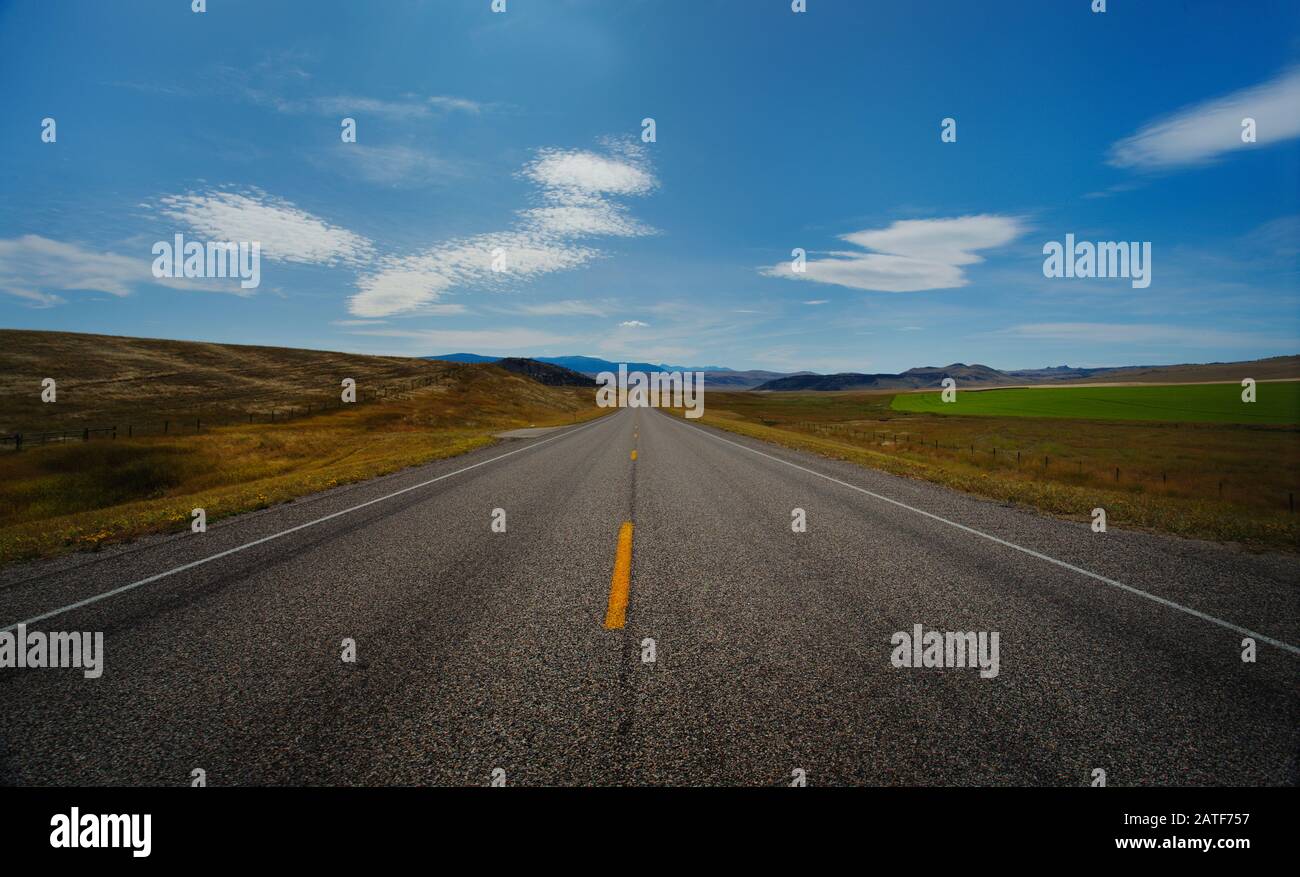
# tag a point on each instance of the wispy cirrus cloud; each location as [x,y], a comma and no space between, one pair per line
[32,265]
[567,308]
[36,269]
[578,190]
[286,232]
[398,166]
[910,255]
[407,107]
[282,82]
[455,104]
[1207,131]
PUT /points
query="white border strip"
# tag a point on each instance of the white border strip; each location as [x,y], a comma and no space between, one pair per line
[162,575]
[1061,563]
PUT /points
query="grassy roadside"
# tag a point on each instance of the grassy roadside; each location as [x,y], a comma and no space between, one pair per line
[1130,506]
[84,495]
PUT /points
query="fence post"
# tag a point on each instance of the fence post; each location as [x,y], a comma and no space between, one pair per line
[198,425]
[18,446]
[166,426]
[1117,473]
[85,434]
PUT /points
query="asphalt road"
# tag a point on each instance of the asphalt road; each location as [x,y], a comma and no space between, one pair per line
[479,650]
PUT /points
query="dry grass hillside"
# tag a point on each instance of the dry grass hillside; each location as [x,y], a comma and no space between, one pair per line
[106,379]
[1276,368]
[84,494]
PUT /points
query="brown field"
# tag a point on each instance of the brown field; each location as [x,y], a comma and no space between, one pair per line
[1225,482]
[85,494]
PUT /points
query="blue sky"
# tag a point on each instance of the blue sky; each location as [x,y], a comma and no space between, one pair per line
[520,134]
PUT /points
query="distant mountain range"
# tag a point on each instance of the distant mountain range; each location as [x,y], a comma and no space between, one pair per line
[715,377]
[931,377]
[928,377]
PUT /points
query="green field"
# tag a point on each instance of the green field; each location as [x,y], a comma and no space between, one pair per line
[1276,403]
[1234,482]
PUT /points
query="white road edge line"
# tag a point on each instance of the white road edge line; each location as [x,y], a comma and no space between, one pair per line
[1196,613]
[162,575]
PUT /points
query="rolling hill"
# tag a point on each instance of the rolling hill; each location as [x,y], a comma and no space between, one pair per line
[931,377]
[545,373]
[103,380]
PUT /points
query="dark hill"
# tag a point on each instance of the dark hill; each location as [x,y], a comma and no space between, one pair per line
[545,372]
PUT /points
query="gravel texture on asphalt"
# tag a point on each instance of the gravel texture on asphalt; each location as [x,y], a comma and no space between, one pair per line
[480,650]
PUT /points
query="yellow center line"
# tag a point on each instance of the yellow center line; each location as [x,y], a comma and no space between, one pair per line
[620,582]
[633,453]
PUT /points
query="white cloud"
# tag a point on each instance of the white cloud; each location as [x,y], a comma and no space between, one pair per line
[31,266]
[269,92]
[569,308]
[1203,132]
[818,301]
[398,166]
[576,187]
[584,220]
[634,324]
[284,232]
[460,104]
[910,255]
[348,105]
[409,107]
[280,82]
[405,284]
[583,174]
